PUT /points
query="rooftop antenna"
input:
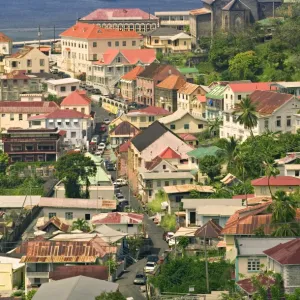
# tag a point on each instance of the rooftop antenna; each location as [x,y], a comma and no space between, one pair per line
[149,13]
[39,36]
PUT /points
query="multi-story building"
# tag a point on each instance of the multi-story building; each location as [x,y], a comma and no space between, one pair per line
[176,19]
[128,83]
[5,45]
[77,100]
[287,87]
[29,145]
[84,43]
[123,19]
[18,82]
[78,126]
[16,113]
[149,78]
[168,40]
[166,92]
[114,63]
[274,111]
[215,101]
[30,59]
[62,87]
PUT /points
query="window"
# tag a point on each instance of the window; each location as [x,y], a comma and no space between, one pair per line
[266,122]
[16,147]
[42,71]
[174,182]
[14,64]
[67,122]
[69,216]
[164,167]
[28,62]
[51,215]
[62,88]
[82,110]
[183,181]
[200,126]
[118,59]
[36,123]
[150,193]
[156,41]
[151,119]
[12,117]
[184,43]
[186,126]
[109,44]
[172,126]
[253,264]
[239,97]
[58,122]
[94,56]
[29,147]
[87,217]
[167,183]
[42,62]
[143,119]
[117,44]
[133,43]
[73,134]
[45,147]
[297,173]
[158,183]
[124,43]
[288,121]
[94,44]
[278,121]
[73,88]
[20,117]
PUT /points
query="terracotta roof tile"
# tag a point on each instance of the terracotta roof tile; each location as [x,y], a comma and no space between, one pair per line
[210,230]
[150,111]
[172,82]
[248,286]
[149,165]
[76,98]
[93,31]
[188,88]
[131,75]
[17,74]
[248,87]
[169,153]
[200,11]
[187,137]
[61,114]
[125,128]
[57,223]
[4,38]
[158,72]
[277,181]
[39,107]
[118,218]
[201,98]
[124,147]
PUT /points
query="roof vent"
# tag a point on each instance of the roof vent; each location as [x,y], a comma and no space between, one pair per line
[170,72]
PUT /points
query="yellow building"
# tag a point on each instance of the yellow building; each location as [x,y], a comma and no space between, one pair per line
[168,40]
[11,273]
[29,59]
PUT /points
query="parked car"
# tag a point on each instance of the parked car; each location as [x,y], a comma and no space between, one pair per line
[103,138]
[89,88]
[140,278]
[172,241]
[120,198]
[106,121]
[168,235]
[82,85]
[96,91]
[99,152]
[101,146]
[111,167]
[120,182]
[65,75]
[117,190]
[60,74]
[95,139]
[54,70]
[153,258]
[150,267]
[102,128]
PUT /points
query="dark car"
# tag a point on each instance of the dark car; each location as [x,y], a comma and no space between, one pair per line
[96,91]
[123,205]
[103,139]
[111,167]
[82,85]
[89,88]
[102,128]
[60,74]
[153,258]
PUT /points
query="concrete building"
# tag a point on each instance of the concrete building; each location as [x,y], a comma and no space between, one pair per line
[274,111]
[289,165]
[29,59]
[13,84]
[78,101]
[215,101]
[287,87]
[62,87]
[5,45]
[176,19]
[84,43]
[168,40]
[122,19]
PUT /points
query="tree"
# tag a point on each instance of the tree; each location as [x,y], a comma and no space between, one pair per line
[183,242]
[221,191]
[210,165]
[230,147]
[246,111]
[30,294]
[168,222]
[155,205]
[270,171]
[81,224]
[134,243]
[214,126]
[110,296]
[74,167]
[3,162]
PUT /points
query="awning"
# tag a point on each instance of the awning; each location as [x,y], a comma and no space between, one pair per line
[68,49]
[75,120]
[51,121]
[221,244]
[58,120]
[67,120]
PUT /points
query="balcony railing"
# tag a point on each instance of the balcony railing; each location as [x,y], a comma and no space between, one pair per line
[38,274]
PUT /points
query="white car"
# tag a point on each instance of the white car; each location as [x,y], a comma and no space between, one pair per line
[101,146]
[120,182]
[172,241]
[99,152]
[106,121]
[150,267]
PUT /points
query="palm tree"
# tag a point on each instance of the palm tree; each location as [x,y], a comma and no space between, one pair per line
[214,125]
[270,171]
[81,224]
[230,147]
[246,111]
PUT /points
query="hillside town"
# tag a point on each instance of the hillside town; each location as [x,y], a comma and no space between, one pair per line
[141,157]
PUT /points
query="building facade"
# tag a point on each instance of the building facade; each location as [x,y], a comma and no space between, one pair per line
[175,19]
[62,87]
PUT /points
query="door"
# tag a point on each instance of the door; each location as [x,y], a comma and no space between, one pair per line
[192,217]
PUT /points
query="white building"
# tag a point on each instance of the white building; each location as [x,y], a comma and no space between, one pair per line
[274,111]
[289,165]
[5,44]
[62,87]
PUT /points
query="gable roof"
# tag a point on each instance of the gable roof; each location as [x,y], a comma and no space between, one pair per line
[131,75]
[149,111]
[210,230]
[148,136]
[124,147]
[188,88]
[231,4]
[4,38]
[22,52]
[61,114]
[163,31]
[187,137]
[125,128]
[244,87]
[267,102]
[201,11]
[76,98]
[178,115]
[172,82]
[55,221]
[118,218]
[150,165]
[169,153]
[276,181]
[287,253]
[133,56]
[158,72]
[248,286]
[204,151]
[93,31]
[74,288]
[217,92]
[38,107]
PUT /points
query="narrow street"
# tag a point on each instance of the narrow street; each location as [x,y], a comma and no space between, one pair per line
[155,233]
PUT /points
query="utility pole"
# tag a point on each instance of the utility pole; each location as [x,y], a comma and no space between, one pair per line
[39,36]
[54,34]
[206,263]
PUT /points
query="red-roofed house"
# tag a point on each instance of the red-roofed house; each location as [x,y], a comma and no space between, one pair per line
[78,126]
[83,43]
[285,183]
[189,138]
[122,133]
[5,44]
[123,19]
[114,63]
[125,222]
[274,111]
[77,100]
[128,83]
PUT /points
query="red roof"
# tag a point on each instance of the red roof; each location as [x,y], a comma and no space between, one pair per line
[131,75]
[151,110]
[38,107]
[118,14]
[61,114]
[118,218]
[124,147]
[243,196]
[172,82]
[286,253]
[249,87]
[187,137]
[17,74]
[4,38]
[201,98]
[93,31]
[76,98]
[248,286]
[277,181]
[169,153]
[133,56]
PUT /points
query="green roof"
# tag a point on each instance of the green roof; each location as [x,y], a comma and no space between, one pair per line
[204,151]
[188,70]
[217,92]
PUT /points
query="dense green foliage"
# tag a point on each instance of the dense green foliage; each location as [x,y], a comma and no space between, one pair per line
[210,165]
[155,205]
[177,275]
[168,222]
[81,224]
[110,296]
[3,162]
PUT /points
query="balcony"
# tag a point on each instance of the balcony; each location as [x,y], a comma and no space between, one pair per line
[38,274]
[174,22]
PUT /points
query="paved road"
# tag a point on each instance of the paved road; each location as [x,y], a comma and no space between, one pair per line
[155,233]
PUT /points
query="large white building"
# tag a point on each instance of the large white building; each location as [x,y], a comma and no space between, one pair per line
[274,111]
[62,87]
